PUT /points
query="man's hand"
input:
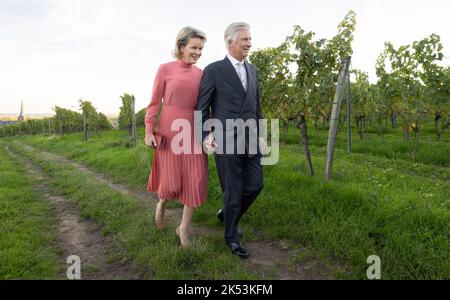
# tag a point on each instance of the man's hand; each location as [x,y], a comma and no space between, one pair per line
[209,144]
[150,140]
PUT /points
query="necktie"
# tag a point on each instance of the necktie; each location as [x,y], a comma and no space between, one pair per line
[241,72]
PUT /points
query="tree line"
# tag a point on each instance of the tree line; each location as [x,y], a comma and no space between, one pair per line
[64,121]
[298,79]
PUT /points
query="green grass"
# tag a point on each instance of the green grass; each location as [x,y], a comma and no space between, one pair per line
[131,223]
[28,249]
[351,218]
[391,145]
[379,201]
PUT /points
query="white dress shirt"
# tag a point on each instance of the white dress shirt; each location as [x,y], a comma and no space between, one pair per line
[240,70]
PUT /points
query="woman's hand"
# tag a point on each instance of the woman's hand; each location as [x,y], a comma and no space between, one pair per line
[150,140]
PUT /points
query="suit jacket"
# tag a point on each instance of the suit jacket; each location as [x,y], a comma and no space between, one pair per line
[223,101]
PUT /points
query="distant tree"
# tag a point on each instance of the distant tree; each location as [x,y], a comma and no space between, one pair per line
[140,117]
[90,117]
[125,117]
[103,122]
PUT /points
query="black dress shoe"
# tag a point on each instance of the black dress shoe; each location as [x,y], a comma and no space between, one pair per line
[220,215]
[239,250]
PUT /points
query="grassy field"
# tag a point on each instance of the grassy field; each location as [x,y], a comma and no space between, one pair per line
[379,202]
[28,248]
[131,226]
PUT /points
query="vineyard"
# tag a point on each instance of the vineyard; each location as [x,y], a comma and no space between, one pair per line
[388,196]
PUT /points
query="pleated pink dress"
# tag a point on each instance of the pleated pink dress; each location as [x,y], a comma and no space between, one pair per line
[177,172]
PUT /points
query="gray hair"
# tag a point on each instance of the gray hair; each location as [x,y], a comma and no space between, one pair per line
[232,31]
[183,38]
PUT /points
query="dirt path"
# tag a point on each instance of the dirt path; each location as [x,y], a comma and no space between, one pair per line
[81,237]
[266,256]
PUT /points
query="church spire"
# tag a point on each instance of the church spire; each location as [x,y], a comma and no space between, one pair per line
[20,117]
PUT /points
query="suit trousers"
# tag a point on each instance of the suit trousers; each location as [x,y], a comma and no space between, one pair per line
[241,179]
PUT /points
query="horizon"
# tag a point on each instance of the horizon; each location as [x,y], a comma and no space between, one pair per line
[25,115]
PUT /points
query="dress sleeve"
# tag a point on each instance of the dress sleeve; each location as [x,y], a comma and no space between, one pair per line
[155,103]
[205,98]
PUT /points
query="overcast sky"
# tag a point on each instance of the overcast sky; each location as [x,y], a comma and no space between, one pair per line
[54,52]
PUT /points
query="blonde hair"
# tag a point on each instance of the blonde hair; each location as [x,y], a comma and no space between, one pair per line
[183,38]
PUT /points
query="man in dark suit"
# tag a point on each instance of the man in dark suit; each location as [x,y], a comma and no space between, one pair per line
[230,106]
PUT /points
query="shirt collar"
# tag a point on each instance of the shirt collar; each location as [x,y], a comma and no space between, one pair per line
[233,60]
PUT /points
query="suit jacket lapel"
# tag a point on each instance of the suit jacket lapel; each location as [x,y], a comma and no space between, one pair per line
[250,84]
[232,77]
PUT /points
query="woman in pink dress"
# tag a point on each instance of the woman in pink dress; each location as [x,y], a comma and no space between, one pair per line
[180,167]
